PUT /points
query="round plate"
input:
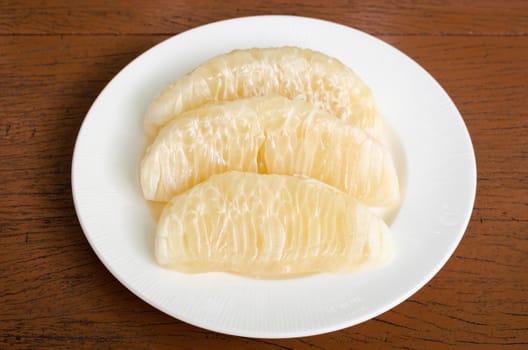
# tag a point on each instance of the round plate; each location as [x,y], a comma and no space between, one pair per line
[435,156]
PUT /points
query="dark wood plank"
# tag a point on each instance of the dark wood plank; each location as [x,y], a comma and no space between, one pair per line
[54,293]
[165,16]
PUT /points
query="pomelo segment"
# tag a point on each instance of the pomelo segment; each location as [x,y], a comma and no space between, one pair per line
[268,135]
[269,226]
[206,141]
[288,71]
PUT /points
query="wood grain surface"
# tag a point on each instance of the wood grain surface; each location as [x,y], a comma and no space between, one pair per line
[54,60]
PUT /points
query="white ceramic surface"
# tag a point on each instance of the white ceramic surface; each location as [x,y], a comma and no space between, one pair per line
[435,158]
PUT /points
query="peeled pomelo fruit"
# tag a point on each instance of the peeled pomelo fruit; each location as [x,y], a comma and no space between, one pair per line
[206,141]
[269,226]
[287,71]
[304,140]
[268,135]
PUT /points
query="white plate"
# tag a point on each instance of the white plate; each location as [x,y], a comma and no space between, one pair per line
[436,158]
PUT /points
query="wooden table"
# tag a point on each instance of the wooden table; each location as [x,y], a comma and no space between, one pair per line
[54,60]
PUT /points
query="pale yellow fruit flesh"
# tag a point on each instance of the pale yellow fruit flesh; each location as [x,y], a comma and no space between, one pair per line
[268,135]
[288,71]
[269,226]
[203,142]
